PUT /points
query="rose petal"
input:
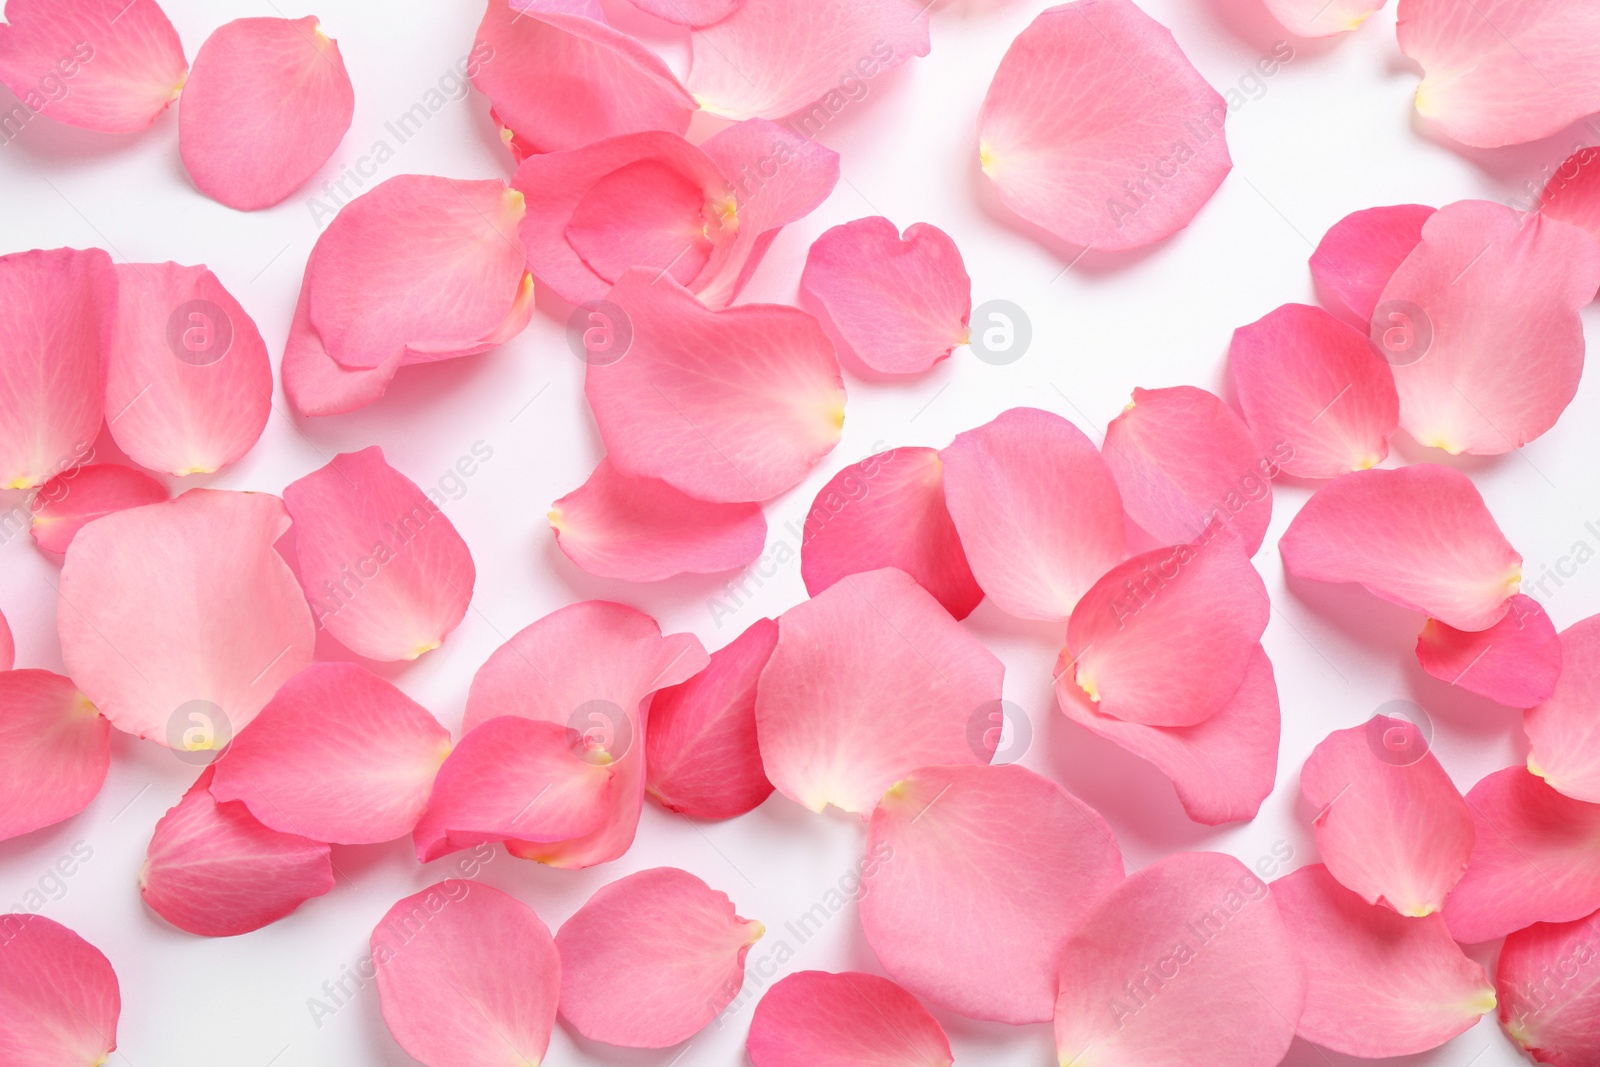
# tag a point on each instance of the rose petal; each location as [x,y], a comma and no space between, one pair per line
[1515,662]
[1548,996]
[59,998]
[1562,729]
[1320,18]
[55,749]
[77,497]
[1572,194]
[689,12]
[817,1019]
[316,383]
[8,646]
[1360,253]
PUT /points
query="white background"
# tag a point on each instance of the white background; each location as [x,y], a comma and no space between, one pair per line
[1332,132]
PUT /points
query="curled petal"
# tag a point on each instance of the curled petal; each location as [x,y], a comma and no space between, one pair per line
[1515,662]
[850,1019]
[1546,1008]
[1561,729]
[76,497]
[55,749]
[316,383]
[1572,194]
[1360,253]
[1319,18]
[59,998]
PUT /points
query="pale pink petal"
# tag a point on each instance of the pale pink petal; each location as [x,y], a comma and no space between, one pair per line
[730,406]
[267,102]
[1549,1000]
[1222,768]
[1316,398]
[1360,253]
[1186,963]
[1377,984]
[8,646]
[213,870]
[851,1019]
[1572,194]
[1563,730]
[644,530]
[1489,302]
[1501,72]
[1166,638]
[182,614]
[702,757]
[689,12]
[1419,536]
[59,999]
[900,304]
[467,977]
[1515,662]
[76,497]
[416,264]
[870,680]
[110,65]
[1187,467]
[188,381]
[1322,18]
[888,511]
[651,959]
[562,80]
[1038,512]
[56,314]
[316,383]
[770,58]
[339,755]
[1099,130]
[383,567]
[975,878]
[1533,860]
[55,749]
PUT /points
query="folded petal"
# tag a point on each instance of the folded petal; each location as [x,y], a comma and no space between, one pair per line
[770,59]
[316,383]
[1419,536]
[1572,194]
[900,303]
[385,571]
[1123,152]
[213,870]
[1320,18]
[983,874]
[1515,662]
[1532,861]
[1563,731]
[689,12]
[121,61]
[76,497]
[850,1019]
[1037,509]
[1186,963]
[183,613]
[1377,984]
[1549,1000]
[467,976]
[1316,398]
[702,757]
[55,749]
[1360,253]
[56,314]
[59,998]
[1222,768]
[1166,638]
[1499,72]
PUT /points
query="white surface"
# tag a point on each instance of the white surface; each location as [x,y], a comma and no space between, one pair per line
[1331,132]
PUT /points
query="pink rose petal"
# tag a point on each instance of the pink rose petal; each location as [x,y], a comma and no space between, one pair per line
[1563,730]
[76,497]
[1572,194]
[1360,253]
[55,749]
[316,383]
[981,876]
[1515,662]
[689,12]
[817,1019]
[1549,1000]
[8,646]
[1322,18]
[59,998]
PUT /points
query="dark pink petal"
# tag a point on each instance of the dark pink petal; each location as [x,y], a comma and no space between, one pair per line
[702,758]
[1549,1000]
[56,314]
[644,530]
[900,303]
[1123,152]
[1377,984]
[975,878]
[120,60]
[1187,466]
[1563,730]
[8,646]
[188,381]
[1318,401]
[729,406]
[183,614]
[889,511]
[870,680]
[1572,194]
[1419,536]
[562,80]
[689,12]
[651,959]
[213,870]
[1360,253]
[1322,18]
[55,749]
[1038,512]
[1532,861]
[339,755]
[386,572]
[851,1019]
[1515,662]
[316,383]
[1166,638]
[59,999]
[467,977]
[73,498]
[1488,304]
[1501,72]
[770,59]
[1186,963]
[1222,768]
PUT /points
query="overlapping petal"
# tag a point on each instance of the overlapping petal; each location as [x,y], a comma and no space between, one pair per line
[1320,18]
[73,498]
[689,12]
[55,749]
[1572,194]
[1563,730]
[316,383]
[59,998]
[850,1019]
[1515,662]
[1549,1000]
[1359,254]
